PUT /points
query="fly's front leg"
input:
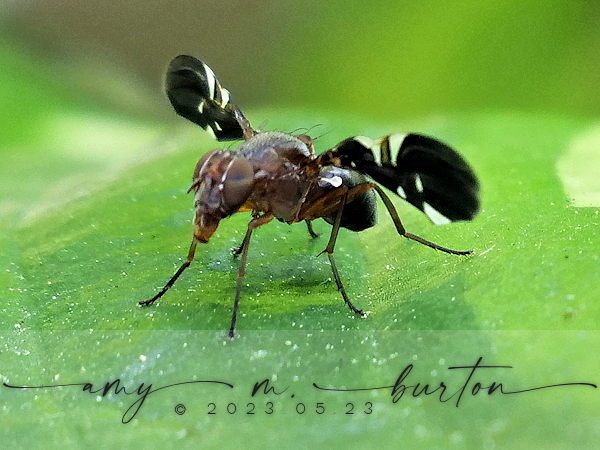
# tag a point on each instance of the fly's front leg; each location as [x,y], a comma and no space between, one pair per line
[173,279]
[237,251]
[329,251]
[254,223]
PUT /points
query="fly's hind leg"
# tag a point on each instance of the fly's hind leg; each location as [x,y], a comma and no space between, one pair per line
[402,231]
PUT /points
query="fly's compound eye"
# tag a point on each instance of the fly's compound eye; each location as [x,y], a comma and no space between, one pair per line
[237,184]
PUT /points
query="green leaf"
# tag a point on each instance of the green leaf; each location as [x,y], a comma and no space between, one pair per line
[95,217]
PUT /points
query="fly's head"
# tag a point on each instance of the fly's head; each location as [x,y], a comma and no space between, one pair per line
[222,183]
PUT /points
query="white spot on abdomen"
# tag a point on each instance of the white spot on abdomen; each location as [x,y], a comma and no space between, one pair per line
[333,181]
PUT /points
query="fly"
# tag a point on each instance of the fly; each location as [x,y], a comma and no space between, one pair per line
[278,175]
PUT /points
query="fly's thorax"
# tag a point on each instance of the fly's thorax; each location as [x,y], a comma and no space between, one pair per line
[273,151]
[222,183]
[282,163]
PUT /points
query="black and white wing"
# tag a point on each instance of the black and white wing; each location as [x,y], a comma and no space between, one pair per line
[196,95]
[423,171]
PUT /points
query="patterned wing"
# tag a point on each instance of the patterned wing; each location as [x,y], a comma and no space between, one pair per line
[196,95]
[423,171]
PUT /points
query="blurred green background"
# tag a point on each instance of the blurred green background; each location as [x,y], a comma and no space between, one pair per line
[374,58]
[93,217]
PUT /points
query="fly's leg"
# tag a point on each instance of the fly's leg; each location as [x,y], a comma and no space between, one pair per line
[400,228]
[173,279]
[237,251]
[254,223]
[329,251]
[311,231]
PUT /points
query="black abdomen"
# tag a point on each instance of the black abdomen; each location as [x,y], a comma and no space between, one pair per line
[361,213]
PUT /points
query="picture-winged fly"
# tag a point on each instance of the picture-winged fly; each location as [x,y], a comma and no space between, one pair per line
[277,175]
